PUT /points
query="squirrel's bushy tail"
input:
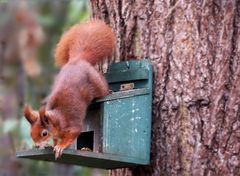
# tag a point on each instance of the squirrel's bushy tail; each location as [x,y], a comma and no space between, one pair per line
[92,41]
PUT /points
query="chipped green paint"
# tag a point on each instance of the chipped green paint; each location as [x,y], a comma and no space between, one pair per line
[83,158]
[127,119]
[121,122]
[125,75]
[126,129]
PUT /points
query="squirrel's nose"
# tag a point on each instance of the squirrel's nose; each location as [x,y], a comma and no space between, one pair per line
[37,146]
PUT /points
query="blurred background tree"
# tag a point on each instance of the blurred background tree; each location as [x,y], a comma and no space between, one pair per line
[29,31]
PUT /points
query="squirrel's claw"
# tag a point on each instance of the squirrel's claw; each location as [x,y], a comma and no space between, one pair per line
[58,151]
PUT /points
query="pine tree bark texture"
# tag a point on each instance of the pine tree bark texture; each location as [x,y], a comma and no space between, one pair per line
[194,47]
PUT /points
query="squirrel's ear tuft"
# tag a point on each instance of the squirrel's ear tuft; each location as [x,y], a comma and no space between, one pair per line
[43,116]
[30,115]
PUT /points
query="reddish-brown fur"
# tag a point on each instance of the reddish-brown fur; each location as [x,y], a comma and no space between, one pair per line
[89,41]
[76,85]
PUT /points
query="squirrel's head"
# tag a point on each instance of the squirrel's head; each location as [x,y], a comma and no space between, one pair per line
[39,122]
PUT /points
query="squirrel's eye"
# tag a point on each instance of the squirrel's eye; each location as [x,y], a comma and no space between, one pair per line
[44,133]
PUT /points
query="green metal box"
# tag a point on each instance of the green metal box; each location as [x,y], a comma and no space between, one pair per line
[117,128]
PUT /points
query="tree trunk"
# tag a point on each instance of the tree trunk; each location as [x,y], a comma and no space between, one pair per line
[194,47]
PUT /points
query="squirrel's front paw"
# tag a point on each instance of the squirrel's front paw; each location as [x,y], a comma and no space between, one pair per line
[58,151]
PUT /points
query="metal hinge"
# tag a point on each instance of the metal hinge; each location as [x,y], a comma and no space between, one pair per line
[127,86]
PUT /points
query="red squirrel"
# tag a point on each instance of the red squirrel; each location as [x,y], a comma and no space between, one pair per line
[76,85]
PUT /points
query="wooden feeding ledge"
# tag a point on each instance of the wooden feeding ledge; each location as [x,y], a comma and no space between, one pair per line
[117,128]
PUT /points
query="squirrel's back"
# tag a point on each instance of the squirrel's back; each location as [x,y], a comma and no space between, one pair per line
[92,41]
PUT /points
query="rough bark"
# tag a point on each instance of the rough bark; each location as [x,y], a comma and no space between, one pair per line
[195,48]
